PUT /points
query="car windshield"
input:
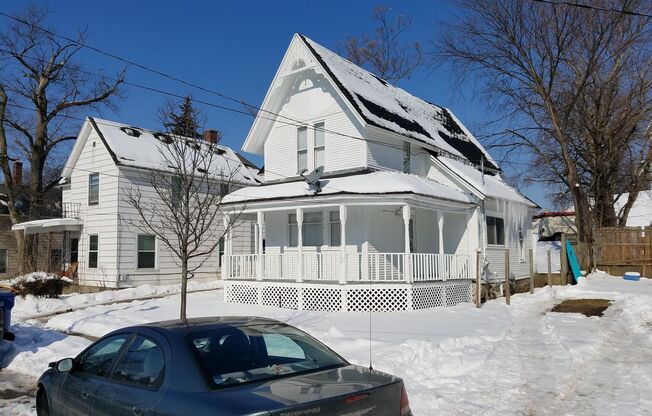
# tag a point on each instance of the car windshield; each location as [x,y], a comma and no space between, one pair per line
[251,353]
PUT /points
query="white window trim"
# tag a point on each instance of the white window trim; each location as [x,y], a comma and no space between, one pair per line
[155,268]
[310,145]
[97,202]
[89,251]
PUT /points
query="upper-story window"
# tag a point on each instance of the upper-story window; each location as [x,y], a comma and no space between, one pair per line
[495,231]
[406,157]
[176,191]
[311,149]
[302,149]
[93,189]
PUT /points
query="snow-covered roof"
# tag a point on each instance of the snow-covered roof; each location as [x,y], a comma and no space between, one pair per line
[143,151]
[386,106]
[491,185]
[382,182]
[49,225]
[641,213]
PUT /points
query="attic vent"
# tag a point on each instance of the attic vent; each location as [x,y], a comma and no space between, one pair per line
[299,63]
[131,131]
[163,138]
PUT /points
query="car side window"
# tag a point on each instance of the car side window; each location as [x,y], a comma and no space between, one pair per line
[142,364]
[99,358]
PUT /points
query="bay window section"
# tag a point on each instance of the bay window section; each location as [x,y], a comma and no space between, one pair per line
[302,149]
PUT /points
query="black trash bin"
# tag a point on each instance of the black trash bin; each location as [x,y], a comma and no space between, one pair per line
[7,298]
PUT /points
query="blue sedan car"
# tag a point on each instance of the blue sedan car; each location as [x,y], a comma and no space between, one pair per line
[215,366]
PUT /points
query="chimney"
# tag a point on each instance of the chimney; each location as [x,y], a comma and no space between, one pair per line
[18,173]
[211,136]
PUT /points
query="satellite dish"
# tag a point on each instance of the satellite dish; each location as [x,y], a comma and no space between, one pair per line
[312,179]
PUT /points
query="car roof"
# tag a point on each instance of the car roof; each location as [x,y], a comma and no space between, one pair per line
[191,324]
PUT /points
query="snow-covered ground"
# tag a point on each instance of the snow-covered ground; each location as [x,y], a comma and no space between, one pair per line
[517,360]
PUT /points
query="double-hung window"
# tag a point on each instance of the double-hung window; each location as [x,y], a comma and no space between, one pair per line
[312,231]
[93,189]
[320,145]
[335,227]
[302,149]
[495,231]
[93,251]
[3,261]
[146,251]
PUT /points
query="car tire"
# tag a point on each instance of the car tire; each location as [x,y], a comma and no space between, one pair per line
[42,405]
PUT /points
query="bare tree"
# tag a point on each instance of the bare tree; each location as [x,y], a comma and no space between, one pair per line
[383,53]
[181,204]
[576,86]
[42,86]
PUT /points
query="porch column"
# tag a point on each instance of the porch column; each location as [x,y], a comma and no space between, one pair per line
[407,262]
[440,224]
[259,244]
[300,243]
[343,259]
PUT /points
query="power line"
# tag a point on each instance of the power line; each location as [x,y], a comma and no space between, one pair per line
[586,6]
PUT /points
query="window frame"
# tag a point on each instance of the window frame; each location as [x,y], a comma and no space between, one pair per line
[82,355]
[138,251]
[5,257]
[302,150]
[91,251]
[93,200]
[319,225]
[322,147]
[495,234]
[338,226]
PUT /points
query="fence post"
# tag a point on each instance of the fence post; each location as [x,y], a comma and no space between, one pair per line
[507,291]
[563,265]
[549,269]
[531,272]
[478,285]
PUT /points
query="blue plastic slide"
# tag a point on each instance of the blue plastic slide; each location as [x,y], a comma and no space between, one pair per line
[574,264]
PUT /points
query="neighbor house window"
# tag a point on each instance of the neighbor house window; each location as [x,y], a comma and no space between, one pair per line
[302,149]
[406,157]
[93,189]
[220,249]
[335,228]
[3,261]
[521,243]
[146,251]
[495,231]
[320,145]
[93,250]
[176,191]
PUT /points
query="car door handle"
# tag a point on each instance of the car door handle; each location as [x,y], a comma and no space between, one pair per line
[138,410]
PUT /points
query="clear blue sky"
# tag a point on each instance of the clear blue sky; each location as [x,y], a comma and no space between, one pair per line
[235,47]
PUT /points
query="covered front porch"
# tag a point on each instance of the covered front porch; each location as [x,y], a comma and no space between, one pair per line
[355,254]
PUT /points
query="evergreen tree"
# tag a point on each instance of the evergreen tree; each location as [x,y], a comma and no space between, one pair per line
[185,122]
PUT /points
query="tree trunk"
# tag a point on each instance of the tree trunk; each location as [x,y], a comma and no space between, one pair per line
[184,287]
[20,248]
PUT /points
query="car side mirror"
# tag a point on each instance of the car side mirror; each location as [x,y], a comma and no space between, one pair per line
[66,365]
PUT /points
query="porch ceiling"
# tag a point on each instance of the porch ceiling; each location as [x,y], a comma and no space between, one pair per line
[369,184]
[49,225]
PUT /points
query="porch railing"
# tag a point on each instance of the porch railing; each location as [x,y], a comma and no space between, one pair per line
[348,267]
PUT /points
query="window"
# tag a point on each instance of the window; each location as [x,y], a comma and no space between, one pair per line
[220,249]
[320,145]
[3,261]
[142,364]
[521,245]
[146,251]
[407,155]
[99,358]
[302,149]
[334,221]
[312,229]
[93,249]
[74,250]
[93,189]
[176,191]
[495,231]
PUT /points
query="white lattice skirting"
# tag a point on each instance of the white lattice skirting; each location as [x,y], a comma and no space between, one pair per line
[385,297]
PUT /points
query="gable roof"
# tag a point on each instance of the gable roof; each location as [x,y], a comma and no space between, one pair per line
[143,151]
[388,107]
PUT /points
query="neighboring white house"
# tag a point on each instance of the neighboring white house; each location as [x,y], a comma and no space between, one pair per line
[407,197]
[107,159]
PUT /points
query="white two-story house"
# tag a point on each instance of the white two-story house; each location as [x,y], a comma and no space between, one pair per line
[407,197]
[100,239]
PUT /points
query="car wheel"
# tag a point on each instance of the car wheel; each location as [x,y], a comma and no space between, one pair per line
[42,406]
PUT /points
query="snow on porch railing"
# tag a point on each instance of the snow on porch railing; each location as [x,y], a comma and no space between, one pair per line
[356,267]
